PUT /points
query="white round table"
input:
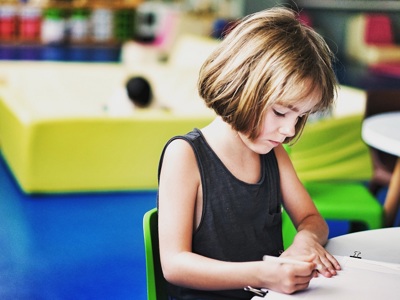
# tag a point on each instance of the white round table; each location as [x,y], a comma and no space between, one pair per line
[378,244]
[382,131]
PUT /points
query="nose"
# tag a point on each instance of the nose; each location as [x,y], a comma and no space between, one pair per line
[287,131]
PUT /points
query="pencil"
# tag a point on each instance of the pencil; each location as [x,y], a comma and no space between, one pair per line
[284,260]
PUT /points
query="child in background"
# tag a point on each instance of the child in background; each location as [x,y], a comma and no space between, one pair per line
[136,93]
[222,187]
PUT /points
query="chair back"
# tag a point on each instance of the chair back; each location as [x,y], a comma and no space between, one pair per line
[381,101]
[156,283]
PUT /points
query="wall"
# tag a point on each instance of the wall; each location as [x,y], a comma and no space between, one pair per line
[252,6]
[330,17]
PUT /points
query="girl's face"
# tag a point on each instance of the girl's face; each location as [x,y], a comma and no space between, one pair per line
[278,123]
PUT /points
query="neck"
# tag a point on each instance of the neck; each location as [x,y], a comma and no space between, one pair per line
[226,138]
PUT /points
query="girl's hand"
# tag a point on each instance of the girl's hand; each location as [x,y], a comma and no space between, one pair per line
[304,244]
[289,277]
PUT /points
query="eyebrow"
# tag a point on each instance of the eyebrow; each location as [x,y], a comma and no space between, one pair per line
[295,109]
[291,107]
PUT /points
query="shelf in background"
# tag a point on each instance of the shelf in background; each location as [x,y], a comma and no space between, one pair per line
[364,5]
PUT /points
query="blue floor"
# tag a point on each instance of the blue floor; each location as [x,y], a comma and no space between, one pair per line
[86,246]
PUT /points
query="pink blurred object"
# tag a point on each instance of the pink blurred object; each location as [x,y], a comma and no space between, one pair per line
[305,18]
[370,40]
[391,69]
[378,30]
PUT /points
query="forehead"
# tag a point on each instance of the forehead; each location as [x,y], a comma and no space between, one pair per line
[301,106]
[301,95]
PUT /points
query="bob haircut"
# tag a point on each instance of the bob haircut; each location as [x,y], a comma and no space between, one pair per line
[268,58]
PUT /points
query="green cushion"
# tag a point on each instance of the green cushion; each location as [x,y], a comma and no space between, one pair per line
[332,149]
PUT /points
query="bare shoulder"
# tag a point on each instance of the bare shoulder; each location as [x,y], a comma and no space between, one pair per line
[179,179]
[179,149]
[179,160]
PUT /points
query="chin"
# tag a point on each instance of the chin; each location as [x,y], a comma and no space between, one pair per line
[263,150]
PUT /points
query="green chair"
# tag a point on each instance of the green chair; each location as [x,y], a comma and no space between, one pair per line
[333,162]
[155,281]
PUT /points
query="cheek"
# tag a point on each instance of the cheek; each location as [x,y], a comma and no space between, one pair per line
[267,126]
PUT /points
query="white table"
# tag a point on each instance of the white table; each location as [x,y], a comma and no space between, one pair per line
[378,244]
[382,131]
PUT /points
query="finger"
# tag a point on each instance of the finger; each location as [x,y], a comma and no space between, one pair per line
[333,261]
[300,287]
[302,278]
[326,268]
[306,270]
[324,271]
[303,282]
[315,273]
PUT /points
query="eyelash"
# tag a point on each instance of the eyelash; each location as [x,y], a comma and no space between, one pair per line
[277,113]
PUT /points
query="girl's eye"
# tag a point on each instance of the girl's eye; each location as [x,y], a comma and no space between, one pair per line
[279,114]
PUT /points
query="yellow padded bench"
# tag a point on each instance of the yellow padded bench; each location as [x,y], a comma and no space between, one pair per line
[56,137]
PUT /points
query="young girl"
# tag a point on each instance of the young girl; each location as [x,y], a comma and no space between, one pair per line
[221,188]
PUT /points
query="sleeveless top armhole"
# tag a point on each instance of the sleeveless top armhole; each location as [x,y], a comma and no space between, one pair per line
[189,137]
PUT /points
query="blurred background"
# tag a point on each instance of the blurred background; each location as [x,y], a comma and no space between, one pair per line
[78,172]
[93,30]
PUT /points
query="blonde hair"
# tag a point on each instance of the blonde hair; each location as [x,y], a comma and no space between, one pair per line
[268,57]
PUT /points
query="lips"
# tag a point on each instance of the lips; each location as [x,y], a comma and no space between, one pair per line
[274,143]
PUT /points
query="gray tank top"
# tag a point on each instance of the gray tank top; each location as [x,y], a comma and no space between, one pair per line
[240,221]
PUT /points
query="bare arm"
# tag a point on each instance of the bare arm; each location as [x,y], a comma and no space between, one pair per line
[178,191]
[311,227]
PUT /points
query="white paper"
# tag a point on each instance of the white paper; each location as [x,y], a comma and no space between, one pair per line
[359,279]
